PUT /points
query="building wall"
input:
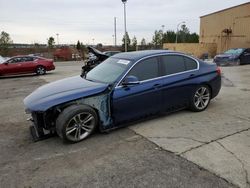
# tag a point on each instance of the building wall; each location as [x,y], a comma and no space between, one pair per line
[195,49]
[236,18]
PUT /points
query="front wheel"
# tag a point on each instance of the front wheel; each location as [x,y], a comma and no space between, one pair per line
[200,98]
[76,122]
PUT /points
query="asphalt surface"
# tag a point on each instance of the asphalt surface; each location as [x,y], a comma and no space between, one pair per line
[121,158]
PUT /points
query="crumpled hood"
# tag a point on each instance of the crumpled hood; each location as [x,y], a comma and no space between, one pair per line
[61,91]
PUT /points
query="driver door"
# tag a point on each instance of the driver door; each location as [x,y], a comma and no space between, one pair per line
[12,66]
[135,101]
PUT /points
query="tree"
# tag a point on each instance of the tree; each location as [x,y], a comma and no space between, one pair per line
[193,38]
[5,42]
[157,38]
[134,43]
[51,42]
[128,41]
[143,42]
[78,46]
[183,34]
[83,47]
[170,36]
[99,45]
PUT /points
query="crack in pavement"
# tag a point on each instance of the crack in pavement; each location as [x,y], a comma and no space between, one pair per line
[171,137]
[211,141]
[238,159]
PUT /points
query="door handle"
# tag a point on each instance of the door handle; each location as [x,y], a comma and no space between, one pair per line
[191,75]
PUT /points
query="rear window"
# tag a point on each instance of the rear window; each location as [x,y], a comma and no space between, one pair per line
[173,64]
[190,63]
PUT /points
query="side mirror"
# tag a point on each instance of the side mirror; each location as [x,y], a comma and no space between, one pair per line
[130,80]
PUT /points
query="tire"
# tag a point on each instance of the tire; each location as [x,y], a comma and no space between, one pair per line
[75,123]
[200,98]
[40,70]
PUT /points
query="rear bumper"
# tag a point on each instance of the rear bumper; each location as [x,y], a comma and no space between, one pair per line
[50,68]
[216,86]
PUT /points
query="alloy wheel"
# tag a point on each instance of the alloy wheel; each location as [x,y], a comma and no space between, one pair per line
[80,126]
[202,98]
[40,70]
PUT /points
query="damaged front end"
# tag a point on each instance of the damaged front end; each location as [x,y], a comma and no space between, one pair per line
[44,123]
[40,128]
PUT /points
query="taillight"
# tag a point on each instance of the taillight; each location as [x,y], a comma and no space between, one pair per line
[218,70]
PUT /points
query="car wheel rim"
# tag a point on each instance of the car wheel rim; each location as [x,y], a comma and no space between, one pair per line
[201,98]
[40,70]
[80,126]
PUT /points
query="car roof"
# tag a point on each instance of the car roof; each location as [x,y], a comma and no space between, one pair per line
[137,55]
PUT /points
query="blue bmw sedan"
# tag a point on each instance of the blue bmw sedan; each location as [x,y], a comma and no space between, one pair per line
[123,88]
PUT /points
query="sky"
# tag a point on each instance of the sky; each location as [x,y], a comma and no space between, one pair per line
[92,21]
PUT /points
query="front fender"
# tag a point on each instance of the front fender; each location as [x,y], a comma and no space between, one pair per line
[45,103]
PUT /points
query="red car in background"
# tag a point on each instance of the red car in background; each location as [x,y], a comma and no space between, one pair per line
[26,64]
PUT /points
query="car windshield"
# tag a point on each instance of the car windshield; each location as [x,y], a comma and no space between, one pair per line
[108,71]
[234,51]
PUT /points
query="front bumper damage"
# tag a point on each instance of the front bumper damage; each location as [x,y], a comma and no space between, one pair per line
[37,130]
[43,123]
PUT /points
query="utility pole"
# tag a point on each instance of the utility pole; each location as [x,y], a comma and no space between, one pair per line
[57,35]
[115,31]
[125,26]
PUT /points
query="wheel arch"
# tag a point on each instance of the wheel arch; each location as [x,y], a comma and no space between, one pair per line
[100,104]
[210,88]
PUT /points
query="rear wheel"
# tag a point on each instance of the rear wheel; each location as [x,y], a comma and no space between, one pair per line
[40,70]
[76,123]
[200,98]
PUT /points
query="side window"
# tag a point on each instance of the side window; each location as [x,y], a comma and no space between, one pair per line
[173,64]
[15,60]
[11,60]
[190,63]
[29,58]
[146,69]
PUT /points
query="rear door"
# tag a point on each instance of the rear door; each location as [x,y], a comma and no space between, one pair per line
[28,64]
[179,80]
[133,102]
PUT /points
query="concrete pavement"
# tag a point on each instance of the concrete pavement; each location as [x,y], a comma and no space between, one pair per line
[217,139]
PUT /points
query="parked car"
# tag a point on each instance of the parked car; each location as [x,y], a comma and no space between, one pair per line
[26,64]
[111,53]
[235,56]
[125,87]
[95,57]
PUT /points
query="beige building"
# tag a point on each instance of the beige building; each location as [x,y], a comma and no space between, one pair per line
[228,28]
